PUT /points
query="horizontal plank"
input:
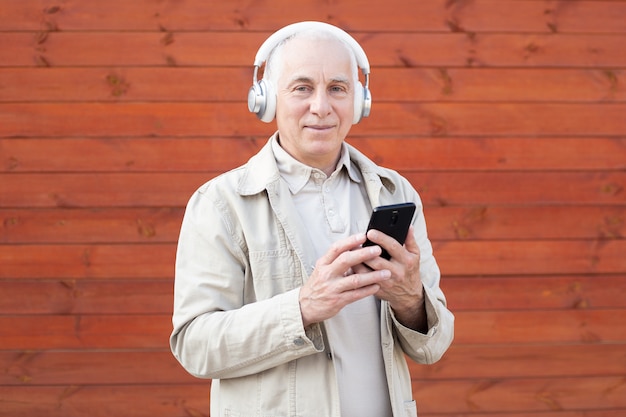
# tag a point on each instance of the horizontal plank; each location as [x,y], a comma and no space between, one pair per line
[112,225]
[153,400]
[142,225]
[524,222]
[522,361]
[456,258]
[151,331]
[223,153]
[105,367]
[473,397]
[540,326]
[387,120]
[530,257]
[82,296]
[161,189]
[112,331]
[91,367]
[438,15]
[150,296]
[52,48]
[530,293]
[67,262]
[188,84]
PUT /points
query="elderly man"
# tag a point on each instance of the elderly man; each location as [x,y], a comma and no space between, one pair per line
[276,298]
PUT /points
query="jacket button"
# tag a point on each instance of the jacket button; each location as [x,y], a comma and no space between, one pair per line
[298,341]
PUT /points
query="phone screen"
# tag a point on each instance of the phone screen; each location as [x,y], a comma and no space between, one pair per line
[393,220]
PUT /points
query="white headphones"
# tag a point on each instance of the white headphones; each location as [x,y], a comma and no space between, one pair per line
[261,98]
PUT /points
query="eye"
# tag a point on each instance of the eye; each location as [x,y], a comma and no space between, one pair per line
[339,89]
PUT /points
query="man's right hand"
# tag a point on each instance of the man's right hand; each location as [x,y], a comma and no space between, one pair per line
[333,283]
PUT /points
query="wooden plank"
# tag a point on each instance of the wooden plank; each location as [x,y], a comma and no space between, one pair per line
[106,367]
[521,395]
[524,222]
[530,257]
[151,400]
[476,398]
[51,48]
[113,331]
[143,225]
[540,326]
[186,84]
[456,258]
[98,367]
[478,362]
[112,225]
[135,155]
[151,296]
[224,153]
[109,261]
[483,15]
[81,296]
[162,189]
[150,331]
[534,293]
[530,188]
[387,120]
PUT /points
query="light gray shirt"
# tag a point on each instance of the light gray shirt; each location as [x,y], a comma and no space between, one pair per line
[333,208]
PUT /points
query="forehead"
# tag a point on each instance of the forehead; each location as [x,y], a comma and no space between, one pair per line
[307,56]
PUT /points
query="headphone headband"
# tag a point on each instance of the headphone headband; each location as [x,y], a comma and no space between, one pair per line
[290,30]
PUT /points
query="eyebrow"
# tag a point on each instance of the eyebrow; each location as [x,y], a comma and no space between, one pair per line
[305,79]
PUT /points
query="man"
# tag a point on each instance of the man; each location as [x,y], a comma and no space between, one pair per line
[276,299]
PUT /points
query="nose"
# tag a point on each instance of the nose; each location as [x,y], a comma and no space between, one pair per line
[320,103]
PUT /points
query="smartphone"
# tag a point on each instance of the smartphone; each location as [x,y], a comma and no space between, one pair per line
[393,220]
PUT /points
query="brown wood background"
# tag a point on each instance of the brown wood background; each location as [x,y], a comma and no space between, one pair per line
[509,116]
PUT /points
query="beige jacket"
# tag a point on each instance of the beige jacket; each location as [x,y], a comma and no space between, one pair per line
[242,257]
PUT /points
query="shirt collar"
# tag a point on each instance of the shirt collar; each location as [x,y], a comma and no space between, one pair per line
[296,174]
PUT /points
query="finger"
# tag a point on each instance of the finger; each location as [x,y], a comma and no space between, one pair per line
[411,244]
[390,244]
[357,281]
[342,246]
[353,258]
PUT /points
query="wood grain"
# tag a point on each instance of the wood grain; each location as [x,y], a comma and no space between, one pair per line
[439,15]
[167,154]
[387,84]
[506,115]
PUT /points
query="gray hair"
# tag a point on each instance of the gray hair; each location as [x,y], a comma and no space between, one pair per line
[274,63]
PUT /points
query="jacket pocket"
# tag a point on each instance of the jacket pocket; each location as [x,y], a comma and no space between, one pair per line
[410,408]
[274,272]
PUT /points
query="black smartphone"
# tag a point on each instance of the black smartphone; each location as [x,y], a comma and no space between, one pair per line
[393,220]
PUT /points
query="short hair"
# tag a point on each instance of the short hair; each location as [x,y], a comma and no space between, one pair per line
[274,63]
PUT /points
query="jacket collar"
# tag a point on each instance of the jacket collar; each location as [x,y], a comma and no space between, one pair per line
[261,173]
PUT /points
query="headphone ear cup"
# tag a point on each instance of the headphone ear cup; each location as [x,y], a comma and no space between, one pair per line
[256,99]
[362,103]
[367,102]
[270,102]
[262,101]
[358,103]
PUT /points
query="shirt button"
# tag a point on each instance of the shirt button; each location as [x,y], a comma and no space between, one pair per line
[298,341]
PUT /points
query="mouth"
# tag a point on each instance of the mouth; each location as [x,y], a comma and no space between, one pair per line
[319,127]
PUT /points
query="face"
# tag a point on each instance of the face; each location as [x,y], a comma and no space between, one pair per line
[315,100]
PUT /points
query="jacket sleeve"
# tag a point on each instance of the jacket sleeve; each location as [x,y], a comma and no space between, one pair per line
[216,332]
[430,347]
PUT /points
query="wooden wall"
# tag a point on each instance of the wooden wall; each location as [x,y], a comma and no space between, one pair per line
[509,116]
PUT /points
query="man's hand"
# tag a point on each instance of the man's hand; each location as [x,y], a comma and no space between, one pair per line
[335,283]
[404,291]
